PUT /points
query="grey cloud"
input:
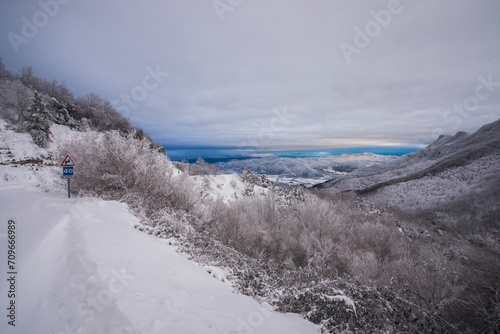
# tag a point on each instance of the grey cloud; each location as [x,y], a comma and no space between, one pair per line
[227,76]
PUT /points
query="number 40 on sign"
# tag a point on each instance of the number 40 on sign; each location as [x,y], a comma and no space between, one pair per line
[68,171]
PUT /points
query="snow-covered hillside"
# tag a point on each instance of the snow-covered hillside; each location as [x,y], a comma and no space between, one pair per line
[83,268]
[455,180]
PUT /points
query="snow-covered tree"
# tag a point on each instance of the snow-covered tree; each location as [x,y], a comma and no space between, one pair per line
[101,113]
[37,121]
[4,74]
[15,99]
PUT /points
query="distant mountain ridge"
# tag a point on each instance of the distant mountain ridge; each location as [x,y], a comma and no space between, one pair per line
[469,162]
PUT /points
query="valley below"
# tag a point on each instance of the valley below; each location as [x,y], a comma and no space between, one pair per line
[307,171]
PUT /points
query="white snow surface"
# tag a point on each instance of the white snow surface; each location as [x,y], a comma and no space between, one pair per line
[19,145]
[83,268]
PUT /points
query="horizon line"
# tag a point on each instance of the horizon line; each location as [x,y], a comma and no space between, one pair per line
[285,148]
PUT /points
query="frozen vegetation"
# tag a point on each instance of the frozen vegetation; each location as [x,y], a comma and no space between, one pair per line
[147,245]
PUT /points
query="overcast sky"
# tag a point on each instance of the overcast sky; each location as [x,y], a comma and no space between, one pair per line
[274,73]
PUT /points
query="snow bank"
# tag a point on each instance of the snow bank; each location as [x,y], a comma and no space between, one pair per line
[83,268]
[20,146]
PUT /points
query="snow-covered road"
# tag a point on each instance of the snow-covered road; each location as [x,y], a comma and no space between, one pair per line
[82,268]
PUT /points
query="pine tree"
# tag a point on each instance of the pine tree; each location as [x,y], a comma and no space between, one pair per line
[38,121]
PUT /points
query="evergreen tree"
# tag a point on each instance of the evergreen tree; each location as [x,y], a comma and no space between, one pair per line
[38,121]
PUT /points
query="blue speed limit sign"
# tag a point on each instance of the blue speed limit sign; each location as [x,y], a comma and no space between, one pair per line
[67,171]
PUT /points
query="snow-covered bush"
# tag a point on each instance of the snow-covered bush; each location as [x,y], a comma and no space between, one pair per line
[126,168]
[201,167]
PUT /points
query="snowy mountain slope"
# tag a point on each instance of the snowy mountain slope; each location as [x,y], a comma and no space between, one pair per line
[460,150]
[455,180]
[465,196]
[446,152]
[83,268]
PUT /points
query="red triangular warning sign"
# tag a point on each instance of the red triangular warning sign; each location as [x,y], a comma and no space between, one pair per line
[67,162]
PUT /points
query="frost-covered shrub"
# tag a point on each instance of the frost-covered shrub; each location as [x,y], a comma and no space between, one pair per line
[342,238]
[123,167]
[201,167]
[433,280]
[335,237]
[478,302]
[318,230]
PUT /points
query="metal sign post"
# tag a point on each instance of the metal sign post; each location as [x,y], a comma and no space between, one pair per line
[68,171]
